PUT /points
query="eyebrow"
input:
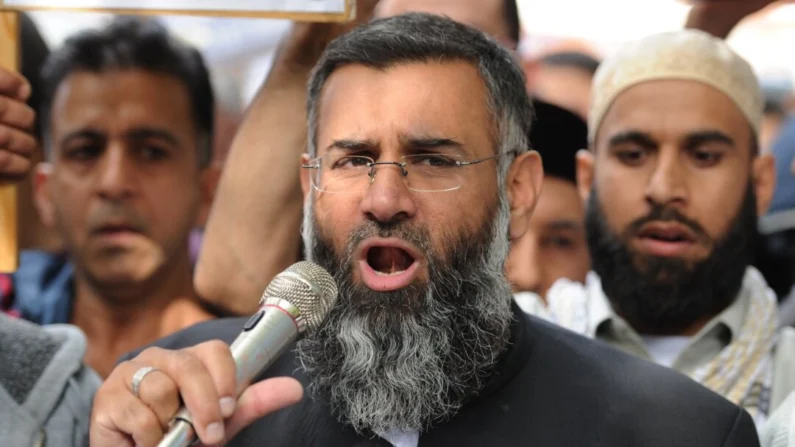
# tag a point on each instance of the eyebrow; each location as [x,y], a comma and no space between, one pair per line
[418,144]
[633,136]
[134,134]
[143,133]
[696,139]
[91,134]
[560,225]
[353,145]
[412,144]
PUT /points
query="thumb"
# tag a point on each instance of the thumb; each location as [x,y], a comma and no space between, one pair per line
[261,399]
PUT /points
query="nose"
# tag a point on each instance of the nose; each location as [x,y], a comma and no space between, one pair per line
[667,183]
[525,270]
[116,176]
[388,198]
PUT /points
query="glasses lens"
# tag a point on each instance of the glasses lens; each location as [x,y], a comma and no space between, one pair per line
[425,173]
[433,172]
[341,174]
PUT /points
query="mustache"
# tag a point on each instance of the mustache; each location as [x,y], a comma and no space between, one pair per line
[413,234]
[662,213]
[116,215]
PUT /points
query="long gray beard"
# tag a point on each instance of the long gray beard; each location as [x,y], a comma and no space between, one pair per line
[407,359]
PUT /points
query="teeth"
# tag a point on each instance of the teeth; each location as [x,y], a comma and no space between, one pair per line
[388,274]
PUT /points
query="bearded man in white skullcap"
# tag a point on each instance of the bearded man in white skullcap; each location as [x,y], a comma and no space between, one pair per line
[674,183]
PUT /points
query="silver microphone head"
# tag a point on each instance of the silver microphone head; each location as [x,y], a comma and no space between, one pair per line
[309,288]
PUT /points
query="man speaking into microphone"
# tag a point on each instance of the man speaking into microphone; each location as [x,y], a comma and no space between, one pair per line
[417,173]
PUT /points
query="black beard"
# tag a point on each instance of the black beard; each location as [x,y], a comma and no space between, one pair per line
[665,296]
[409,358]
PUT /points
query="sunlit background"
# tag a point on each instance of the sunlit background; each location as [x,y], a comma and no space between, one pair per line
[240,50]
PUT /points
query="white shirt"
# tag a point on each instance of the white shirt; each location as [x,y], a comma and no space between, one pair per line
[402,438]
[664,350]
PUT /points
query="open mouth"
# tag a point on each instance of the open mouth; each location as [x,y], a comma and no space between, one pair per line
[667,233]
[388,264]
[386,261]
[666,238]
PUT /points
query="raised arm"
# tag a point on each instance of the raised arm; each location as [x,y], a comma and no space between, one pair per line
[719,17]
[253,231]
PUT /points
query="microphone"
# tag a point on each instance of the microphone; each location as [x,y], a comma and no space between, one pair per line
[294,303]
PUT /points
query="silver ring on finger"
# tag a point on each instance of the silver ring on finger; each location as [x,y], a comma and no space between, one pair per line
[139,377]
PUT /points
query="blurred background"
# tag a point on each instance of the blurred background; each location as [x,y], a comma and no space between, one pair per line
[239,51]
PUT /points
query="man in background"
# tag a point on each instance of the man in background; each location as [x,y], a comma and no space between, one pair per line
[554,245]
[126,117]
[564,79]
[674,182]
[45,390]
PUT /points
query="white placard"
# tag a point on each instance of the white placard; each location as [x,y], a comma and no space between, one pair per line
[254,7]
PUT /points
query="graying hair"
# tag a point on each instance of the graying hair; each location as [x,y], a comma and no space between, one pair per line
[417,37]
[410,385]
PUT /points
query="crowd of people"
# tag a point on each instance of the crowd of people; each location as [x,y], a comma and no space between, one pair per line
[569,251]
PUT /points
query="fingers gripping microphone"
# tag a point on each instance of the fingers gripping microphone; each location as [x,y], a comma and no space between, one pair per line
[295,302]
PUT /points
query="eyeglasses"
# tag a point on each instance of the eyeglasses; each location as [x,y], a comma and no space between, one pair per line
[429,172]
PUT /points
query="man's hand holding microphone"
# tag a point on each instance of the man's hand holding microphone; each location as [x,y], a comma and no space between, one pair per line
[164,397]
[203,376]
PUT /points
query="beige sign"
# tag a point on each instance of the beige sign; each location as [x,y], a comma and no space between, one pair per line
[308,10]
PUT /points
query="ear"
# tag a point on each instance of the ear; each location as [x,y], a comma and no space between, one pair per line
[42,193]
[208,184]
[764,178]
[525,178]
[306,184]
[584,173]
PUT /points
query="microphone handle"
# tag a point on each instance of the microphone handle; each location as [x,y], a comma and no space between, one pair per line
[264,338]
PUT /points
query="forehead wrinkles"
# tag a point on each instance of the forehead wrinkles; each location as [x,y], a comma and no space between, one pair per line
[370,95]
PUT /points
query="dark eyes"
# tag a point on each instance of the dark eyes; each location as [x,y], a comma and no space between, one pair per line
[154,153]
[84,152]
[559,242]
[92,151]
[707,157]
[631,156]
[702,157]
[419,160]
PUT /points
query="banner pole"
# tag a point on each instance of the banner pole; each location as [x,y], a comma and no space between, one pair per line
[9,59]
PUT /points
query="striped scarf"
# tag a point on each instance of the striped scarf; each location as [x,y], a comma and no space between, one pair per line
[742,372]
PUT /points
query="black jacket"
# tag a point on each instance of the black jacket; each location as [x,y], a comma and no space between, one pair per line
[552,388]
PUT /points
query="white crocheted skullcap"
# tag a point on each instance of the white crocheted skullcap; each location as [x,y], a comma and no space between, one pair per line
[682,55]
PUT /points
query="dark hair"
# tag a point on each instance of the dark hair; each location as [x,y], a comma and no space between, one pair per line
[133,43]
[417,37]
[558,135]
[572,59]
[511,15]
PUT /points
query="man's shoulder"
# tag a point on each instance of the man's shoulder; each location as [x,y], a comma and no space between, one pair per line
[41,288]
[614,370]
[624,389]
[43,381]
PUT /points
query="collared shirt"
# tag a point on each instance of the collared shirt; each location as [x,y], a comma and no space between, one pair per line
[601,322]
[705,345]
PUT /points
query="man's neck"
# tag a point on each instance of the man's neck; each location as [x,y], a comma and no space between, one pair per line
[115,326]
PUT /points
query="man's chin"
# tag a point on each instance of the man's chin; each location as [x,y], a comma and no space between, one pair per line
[122,272]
